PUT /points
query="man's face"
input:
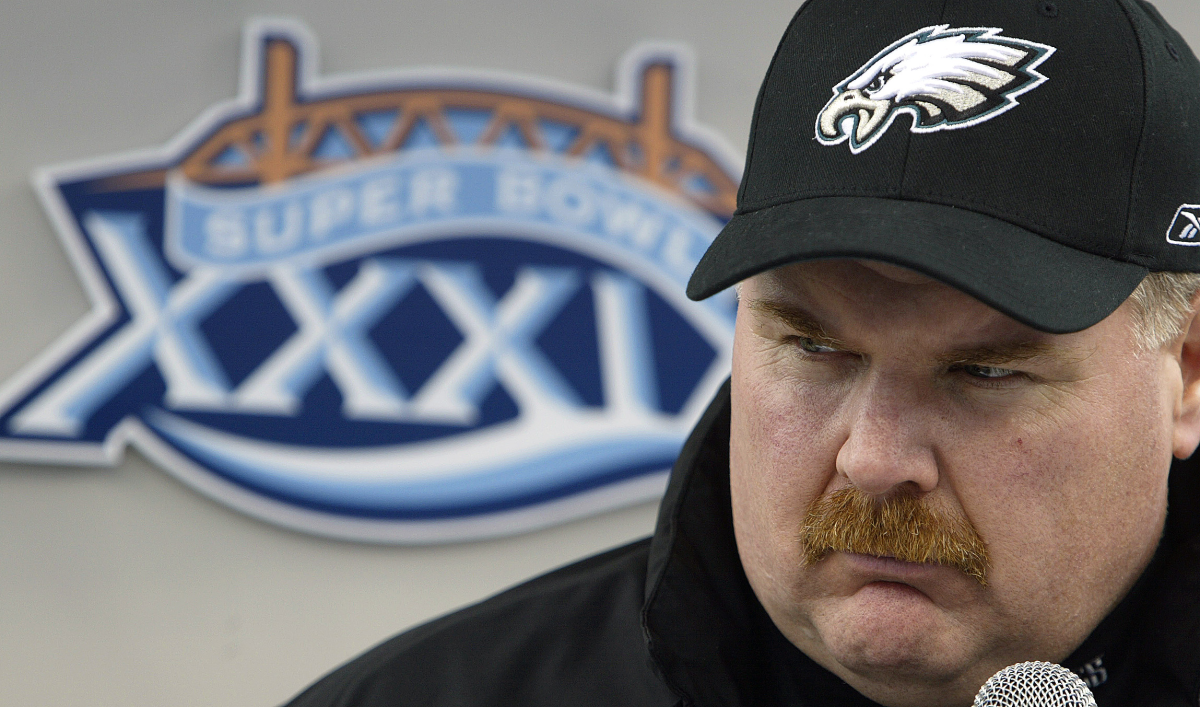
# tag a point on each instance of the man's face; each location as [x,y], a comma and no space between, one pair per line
[1054,448]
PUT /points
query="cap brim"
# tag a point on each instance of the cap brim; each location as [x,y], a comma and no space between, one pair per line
[1041,283]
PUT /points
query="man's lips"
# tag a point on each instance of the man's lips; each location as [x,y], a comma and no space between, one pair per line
[889,569]
[871,577]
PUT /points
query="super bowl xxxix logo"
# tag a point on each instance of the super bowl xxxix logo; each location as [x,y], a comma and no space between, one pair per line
[420,307]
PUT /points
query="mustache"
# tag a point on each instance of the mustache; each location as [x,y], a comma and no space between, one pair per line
[903,527]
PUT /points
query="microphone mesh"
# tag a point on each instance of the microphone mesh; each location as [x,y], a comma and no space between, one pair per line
[1035,684]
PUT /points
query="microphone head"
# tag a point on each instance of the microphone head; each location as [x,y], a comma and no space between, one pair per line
[1035,684]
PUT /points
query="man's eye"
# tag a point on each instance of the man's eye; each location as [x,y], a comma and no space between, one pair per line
[988,372]
[811,346]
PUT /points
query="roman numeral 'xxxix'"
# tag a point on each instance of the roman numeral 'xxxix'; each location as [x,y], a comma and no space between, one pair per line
[332,336]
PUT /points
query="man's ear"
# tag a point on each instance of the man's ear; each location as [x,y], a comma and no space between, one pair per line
[1187,419]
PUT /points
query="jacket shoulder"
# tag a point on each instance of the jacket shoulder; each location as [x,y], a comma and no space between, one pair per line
[572,636]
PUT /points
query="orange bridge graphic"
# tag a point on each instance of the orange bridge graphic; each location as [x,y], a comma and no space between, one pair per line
[281,139]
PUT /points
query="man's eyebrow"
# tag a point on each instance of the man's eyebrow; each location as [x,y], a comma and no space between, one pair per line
[801,321]
[1014,352]
[807,325]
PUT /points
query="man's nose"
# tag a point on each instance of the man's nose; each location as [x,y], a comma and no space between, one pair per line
[888,446]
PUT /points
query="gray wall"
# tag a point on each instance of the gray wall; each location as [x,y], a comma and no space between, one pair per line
[122,587]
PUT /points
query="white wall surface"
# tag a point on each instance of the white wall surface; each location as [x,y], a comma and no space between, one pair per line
[121,586]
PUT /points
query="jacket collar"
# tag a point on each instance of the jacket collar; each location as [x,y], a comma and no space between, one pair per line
[696,615]
[700,614]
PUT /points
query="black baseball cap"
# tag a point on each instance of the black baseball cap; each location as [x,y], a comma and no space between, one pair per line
[1042,156]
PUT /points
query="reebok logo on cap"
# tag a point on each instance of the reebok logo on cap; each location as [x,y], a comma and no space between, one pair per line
[1185,229]
[944,78]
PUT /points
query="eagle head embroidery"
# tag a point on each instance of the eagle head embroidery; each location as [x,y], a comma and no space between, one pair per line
[945,78]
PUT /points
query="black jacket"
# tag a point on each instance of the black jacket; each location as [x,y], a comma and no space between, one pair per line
[671,620]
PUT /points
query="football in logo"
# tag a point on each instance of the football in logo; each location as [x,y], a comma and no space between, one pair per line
[416,307]
[944,78]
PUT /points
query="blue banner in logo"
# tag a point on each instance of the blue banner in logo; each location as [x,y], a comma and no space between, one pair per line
[416,195]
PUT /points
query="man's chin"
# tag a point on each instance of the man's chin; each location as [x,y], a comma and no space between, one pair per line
[890,628]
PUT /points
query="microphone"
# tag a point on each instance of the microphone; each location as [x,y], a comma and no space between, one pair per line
[1035,684]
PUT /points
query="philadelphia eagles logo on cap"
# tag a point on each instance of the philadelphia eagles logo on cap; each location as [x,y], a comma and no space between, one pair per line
[944,78]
